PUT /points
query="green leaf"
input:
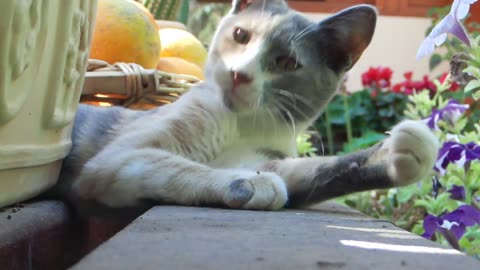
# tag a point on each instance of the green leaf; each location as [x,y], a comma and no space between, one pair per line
[473,84]
[424,204]
[418,229]
[476,95]
[435,60]
[369,138]
[472,71]
[406,193]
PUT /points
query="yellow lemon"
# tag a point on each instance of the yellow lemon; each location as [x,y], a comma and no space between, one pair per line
[170,24]
[180,43]
[179,66]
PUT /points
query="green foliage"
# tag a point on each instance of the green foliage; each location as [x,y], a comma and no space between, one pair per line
[473,70]
[165,9]
[305,147]
[435,61]
[205,18]
[407,206]
[465,130]
[369,117]
[367,139]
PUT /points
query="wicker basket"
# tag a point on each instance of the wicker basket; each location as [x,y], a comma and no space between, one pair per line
[130,85]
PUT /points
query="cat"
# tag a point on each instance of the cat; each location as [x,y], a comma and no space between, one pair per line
[230,141]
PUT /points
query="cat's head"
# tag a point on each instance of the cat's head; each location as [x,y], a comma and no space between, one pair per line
[269,56]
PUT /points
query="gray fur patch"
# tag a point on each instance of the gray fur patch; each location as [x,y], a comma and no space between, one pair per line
[241,191]
[95,126]
[272,153]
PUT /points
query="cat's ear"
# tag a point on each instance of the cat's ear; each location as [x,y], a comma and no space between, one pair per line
[241,5]
[348,34]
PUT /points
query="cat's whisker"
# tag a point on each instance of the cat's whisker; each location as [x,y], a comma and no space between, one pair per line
[282,108]
[294,38]
[290,38]
[321,141]
[263,7]
[304,32]
[255,110]
[306,117]
[289,102]
[295,96]
[295,109]
[274,120]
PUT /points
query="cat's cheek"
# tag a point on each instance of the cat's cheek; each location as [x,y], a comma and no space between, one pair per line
[223,80]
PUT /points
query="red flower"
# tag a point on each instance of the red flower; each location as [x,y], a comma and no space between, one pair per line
[409,86]
[397,88]
[454,87]
[377,77]
[408,75]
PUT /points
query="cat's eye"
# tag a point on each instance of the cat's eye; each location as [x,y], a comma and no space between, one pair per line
[241,35]
[287,63]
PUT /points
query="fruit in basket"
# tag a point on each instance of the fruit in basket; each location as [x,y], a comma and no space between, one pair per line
[170,24]
[182,44]
[125,31]
[179,66]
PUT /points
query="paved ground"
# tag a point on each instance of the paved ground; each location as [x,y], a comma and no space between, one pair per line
[330,237]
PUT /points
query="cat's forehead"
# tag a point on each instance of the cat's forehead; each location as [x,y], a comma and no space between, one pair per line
[270,24]
[258,24]
[292,27]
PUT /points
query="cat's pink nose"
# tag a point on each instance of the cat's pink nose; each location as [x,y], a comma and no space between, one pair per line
[239,78]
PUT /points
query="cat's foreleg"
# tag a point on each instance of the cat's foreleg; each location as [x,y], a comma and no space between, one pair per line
[406,156]
[123,177]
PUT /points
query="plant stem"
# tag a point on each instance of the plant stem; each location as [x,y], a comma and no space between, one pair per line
[348,121]
[328,126]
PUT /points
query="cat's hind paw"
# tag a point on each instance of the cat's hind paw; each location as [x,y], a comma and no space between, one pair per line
[263,191]
[412,150]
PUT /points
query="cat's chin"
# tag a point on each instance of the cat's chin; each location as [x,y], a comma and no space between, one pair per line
[237,102]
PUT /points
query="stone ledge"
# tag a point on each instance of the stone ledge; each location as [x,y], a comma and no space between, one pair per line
[326,237]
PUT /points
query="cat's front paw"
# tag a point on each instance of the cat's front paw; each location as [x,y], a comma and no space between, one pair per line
[262,191]
[412,150]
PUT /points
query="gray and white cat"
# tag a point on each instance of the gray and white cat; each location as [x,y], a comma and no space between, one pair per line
[230,141]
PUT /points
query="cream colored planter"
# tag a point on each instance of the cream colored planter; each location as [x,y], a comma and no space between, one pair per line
[44,48]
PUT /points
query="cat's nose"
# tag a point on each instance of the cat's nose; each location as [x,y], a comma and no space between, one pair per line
[239,78]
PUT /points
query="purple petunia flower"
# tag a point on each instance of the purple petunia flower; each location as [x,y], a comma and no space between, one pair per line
[450,24]
[457,193]
[454,152]
[450,113]
[456,221]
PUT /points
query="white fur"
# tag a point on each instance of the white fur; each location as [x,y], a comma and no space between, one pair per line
[412,151]
[131,168]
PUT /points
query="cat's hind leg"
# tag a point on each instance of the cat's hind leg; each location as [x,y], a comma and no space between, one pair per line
[121,178]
